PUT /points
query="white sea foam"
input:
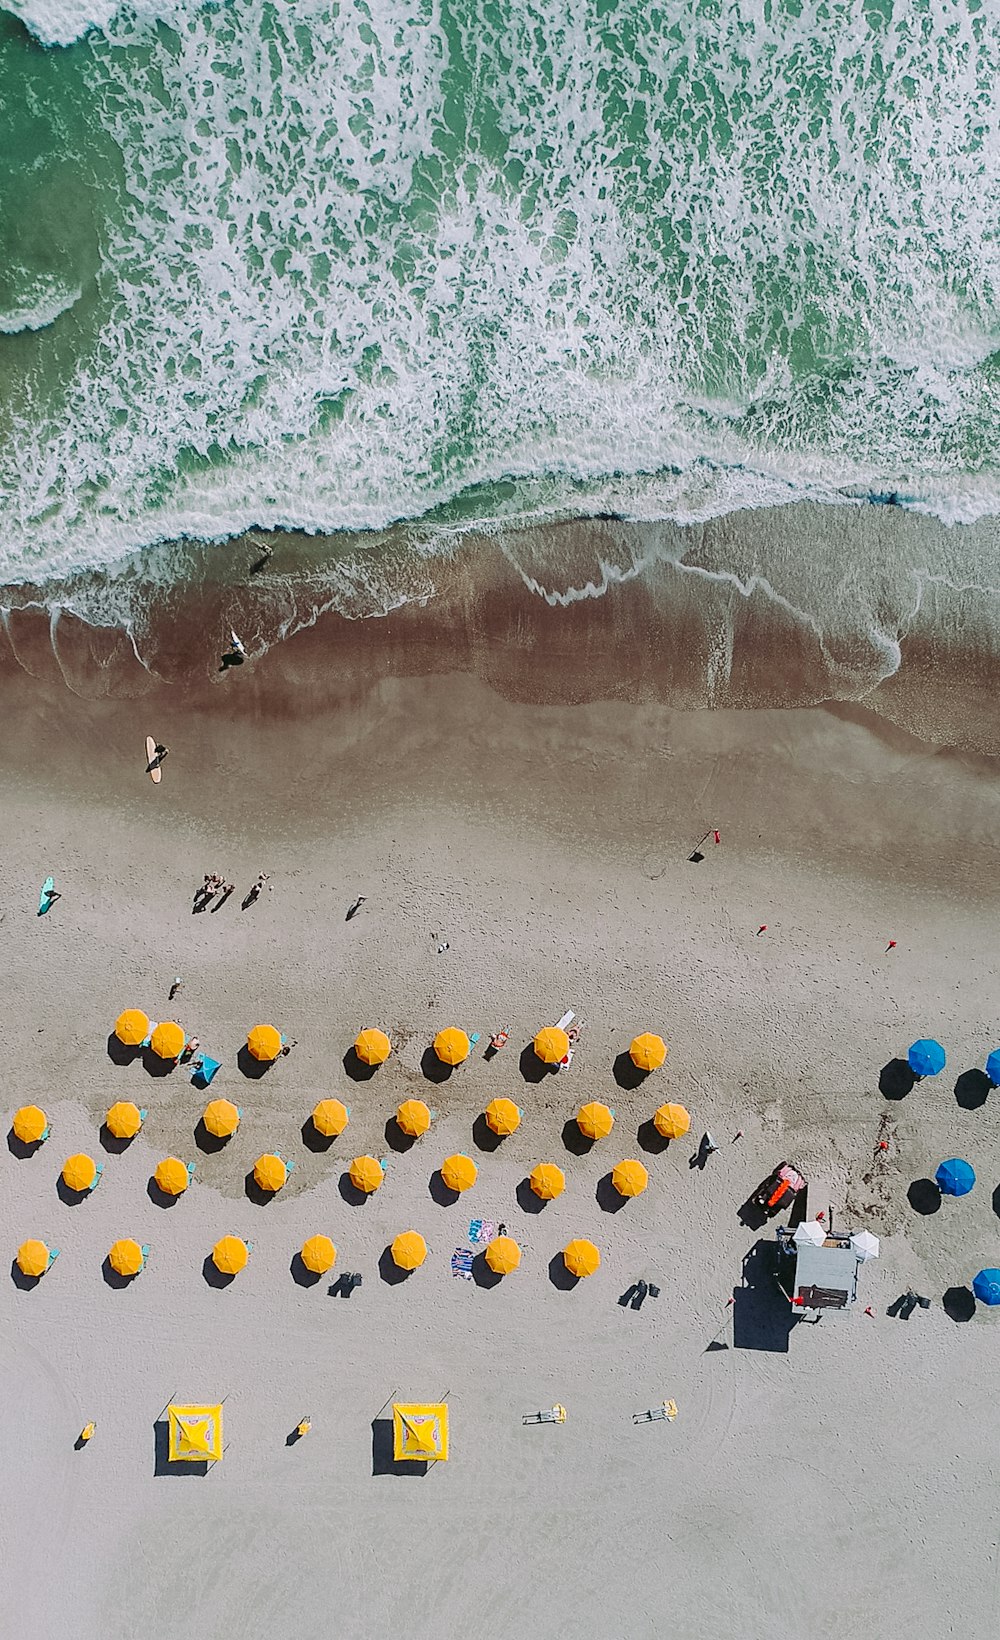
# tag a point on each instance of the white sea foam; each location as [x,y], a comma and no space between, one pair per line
[682,264]
[45,298]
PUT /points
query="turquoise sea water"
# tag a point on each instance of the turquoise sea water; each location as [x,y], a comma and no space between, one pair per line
[331,263]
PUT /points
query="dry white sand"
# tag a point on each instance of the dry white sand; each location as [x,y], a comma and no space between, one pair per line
[844,1485]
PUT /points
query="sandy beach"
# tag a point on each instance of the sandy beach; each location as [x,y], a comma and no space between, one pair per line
[836,1478]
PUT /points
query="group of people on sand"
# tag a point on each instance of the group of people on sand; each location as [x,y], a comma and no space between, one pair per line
[214,884]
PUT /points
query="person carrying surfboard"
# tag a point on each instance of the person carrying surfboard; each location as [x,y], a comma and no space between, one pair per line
[159,753]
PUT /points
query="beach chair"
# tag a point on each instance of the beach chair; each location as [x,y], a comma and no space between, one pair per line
[548,1415]
[44,1134]
[190,1170]
[98,1175]
[144,1249]
[53,1255]
[666,1409]
[143,1114]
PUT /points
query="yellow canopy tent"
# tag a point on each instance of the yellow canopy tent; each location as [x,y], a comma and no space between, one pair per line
[372,1046]
[413,1117]
[595,1120]
[409,1250]
[581,1258]
[459,1172]
[503,1116]
[33,1258]
[172,1176]
[330,1117]
[365,1173]
[648,1051]
[451,1045]
[269,1172]
[167,1041]
[79,1172]
[30,1122]
[195,1434]
[503,1255]
[672,1121]
[319,1254]
[547,1181]
[221,1118]
[230,1254]
[132,1027]
[124,1119]
[629,1178]
[264,1042]
[420,1431]
[551,1045]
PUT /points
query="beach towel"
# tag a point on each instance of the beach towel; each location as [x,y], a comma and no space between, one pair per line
[461,1262]
[482,1230]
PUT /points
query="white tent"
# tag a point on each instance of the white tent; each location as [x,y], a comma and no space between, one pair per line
[865,1245]
[810,1233]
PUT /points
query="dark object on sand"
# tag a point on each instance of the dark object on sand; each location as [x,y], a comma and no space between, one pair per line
[778,1190]
[356,907]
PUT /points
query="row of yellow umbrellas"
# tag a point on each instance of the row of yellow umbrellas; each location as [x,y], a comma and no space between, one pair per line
[167,1040]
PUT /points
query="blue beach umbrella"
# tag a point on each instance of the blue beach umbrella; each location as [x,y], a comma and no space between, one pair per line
[926,1057]
[955,1178]
[993,1067]
[986,1286]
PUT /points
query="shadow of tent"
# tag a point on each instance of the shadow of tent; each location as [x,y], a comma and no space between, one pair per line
[301,1273]
[609,1200]
[390,1271]
[383,1462]
[559,1276]
[482,1275]
[441,1192]
[483,1136]
[924,1196]
[527,1201]
[762,1316]
[895,1080]
[627,1073]
[120,1053]
[577,1143]
[315,1141]
[396,1139]
[432,1068]
[651,1139]
[253,1069]
[210,1143]
[959,1303]
[213,1275]
[356,1068]
[532,1068]
[18,1277]
[972,1089]
[161,1449]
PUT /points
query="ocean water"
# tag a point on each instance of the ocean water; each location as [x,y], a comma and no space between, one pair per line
[324,265]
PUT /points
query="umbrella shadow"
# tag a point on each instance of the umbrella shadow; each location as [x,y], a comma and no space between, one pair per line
[70,1198]
[114,1278]
[483,1136]
[159,1198]
[627,1073]
[433,1068]
[161,1455]
[350,1192]
[559,1276]
[532,1068]
[959,1303]
[527,1201]
[210,1143]
[896,1079]
[254,1193]
[384,1461]
[18,1148]
[214,1276]
[996,1201]
[482,1275]
[441,1192]
[253,1069]
[972,1089]
[390,1271]
[27,1284]
[301,1273]
[924,1196]
[609,1200]
[577,1143]
[355,1067]
[111,1142]
[396,1139]
[155,1066]
[651,1139]
[313,1140]
[123,1053]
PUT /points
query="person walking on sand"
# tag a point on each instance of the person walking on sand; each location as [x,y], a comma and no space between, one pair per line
[356,907]
[254,893]
[159,753]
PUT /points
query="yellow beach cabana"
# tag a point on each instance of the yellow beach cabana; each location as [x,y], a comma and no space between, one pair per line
[372,1046]
[132,1027]
[648,1051]
[420,1431]
[194,1434]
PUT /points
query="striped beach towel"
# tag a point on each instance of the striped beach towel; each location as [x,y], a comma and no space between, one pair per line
[461,1262]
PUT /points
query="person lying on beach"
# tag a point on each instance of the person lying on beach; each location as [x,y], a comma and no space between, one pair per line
[286,1047]
[189,1050]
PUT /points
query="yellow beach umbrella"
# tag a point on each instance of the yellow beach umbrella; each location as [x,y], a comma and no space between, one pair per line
[124,1119]
[551,1045]
[581,1258]
[230,1255]
[413,1117]
[648,1051]
[269,1172]
[459,1172]
[126,1257]
[365,1173]
[503,1255]
[672,1121]
[318,1254]
[372,1046]
[194,1434]
[595,1120]
[167,1041]
[221,1118]
[171,1176]
[629,1178]
[33,1258]
[132,1027]
[409,1250]
[79,1172]
[330,1117]
[547,1181]
[29,1124]
[451,1046]
[503,1116]
[264,1042]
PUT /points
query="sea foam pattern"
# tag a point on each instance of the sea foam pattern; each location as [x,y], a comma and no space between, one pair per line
[664,260]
